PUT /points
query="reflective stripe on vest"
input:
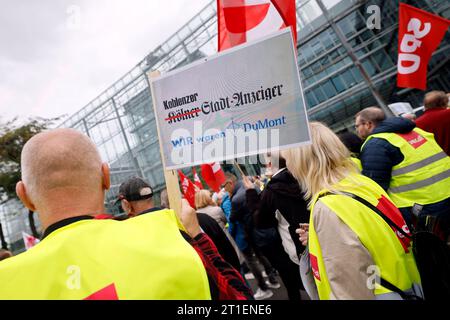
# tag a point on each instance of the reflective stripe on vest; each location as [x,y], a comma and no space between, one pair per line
[420,164]
[423,177]
[141,258]
[390,252]
[423,183]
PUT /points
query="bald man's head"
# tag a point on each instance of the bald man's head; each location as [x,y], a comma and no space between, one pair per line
[61,160]
[367,120]
[435,99]
[373,114]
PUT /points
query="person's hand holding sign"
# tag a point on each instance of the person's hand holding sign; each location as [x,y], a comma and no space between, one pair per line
[189,219]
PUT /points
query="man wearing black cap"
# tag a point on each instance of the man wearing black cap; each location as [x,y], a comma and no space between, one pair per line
[225,282]
[136,197]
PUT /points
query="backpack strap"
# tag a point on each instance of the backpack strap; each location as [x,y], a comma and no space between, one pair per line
[405,296]
[373,208]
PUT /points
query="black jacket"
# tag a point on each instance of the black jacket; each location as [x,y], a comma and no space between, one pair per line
[378,156]
[215,232]
[241,213]
[282,193]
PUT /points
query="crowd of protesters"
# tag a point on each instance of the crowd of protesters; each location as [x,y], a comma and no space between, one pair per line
[327,215]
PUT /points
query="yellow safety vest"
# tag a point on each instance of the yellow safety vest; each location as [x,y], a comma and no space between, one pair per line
[423,177]
[392,256]
[357,162]
[141,258]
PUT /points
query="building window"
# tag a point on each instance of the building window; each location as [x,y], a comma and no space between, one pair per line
[307,52]
[329,89]
[348,78]
[307,72]
[338,83]
[319,94]
[310,99]
[383,60]
[316,67]
[327,41]
[368,66]
[317,47]
[357,74]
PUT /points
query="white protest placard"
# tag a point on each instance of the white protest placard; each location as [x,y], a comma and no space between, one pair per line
[400,108]
[245,101]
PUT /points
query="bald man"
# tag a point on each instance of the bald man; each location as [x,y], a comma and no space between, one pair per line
[408,163]
[436,118]
[80,257]
[62,176]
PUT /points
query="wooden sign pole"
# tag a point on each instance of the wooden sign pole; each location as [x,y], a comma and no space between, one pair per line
[239,169]
[171,176]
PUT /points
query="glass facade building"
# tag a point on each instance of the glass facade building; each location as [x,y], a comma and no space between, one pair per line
[121,122]
[14,219]
[334,87]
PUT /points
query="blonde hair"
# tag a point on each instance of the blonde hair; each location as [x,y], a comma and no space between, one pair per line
[320,165]
[203,199]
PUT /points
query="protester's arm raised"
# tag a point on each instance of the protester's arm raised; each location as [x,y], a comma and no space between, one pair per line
[230,284]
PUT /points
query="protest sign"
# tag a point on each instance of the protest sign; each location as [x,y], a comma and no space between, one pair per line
[244,101]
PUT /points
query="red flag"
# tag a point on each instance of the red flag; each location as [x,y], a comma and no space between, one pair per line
[240,21]
[213,175]
[419,34]
[188,189]
[197,181]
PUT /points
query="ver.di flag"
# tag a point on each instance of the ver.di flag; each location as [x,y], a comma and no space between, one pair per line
[240,21]
[419,34]
[188,188]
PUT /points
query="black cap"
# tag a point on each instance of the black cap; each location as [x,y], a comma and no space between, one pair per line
[135,189]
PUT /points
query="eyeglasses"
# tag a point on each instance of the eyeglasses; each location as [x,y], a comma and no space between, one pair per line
[224,184]
[359,124]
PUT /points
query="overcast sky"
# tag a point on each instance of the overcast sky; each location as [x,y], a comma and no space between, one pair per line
[57,55]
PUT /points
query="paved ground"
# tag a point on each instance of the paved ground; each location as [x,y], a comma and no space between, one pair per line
[278,294]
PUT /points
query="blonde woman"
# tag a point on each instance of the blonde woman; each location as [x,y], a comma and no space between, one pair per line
[205,204]
[350,244]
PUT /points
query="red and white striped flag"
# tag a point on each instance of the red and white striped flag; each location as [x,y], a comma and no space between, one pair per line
[213,175]
[197,181]
[240,21]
